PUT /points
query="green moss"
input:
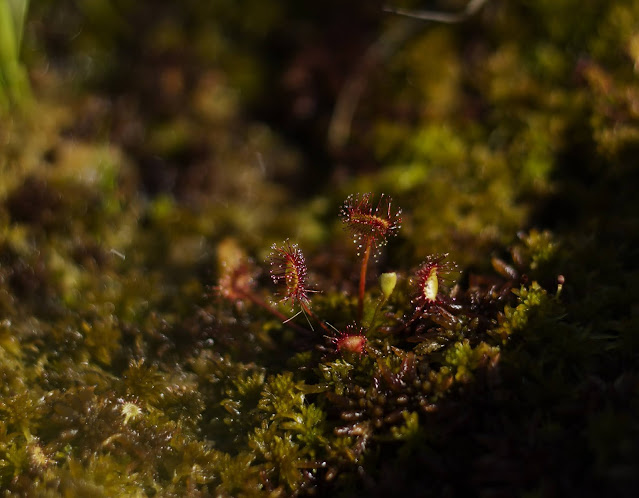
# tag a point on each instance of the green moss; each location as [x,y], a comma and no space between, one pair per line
[140,352]
[464,359]
[533,301]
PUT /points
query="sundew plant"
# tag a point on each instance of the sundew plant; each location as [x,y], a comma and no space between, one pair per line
[374,367]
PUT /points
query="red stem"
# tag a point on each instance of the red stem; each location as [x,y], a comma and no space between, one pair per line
[362,281]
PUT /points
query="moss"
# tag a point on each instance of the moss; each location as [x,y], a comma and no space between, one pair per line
[142,348]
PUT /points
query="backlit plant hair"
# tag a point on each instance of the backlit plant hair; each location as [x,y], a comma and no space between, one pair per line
[237,279]
[429,278]
[371,225]
[351,340]
[371,228]
[288,269]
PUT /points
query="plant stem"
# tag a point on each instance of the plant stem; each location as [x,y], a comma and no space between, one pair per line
[362,280]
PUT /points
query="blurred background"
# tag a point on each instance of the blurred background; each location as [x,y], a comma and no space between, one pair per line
[182,86]
[501,122]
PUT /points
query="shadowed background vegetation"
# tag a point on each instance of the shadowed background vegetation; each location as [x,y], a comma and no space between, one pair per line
[147,147]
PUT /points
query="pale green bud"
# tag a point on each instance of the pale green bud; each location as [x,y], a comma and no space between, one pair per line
[387,283]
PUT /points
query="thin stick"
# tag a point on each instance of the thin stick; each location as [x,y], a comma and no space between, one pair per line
[339,129]
[445,17]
